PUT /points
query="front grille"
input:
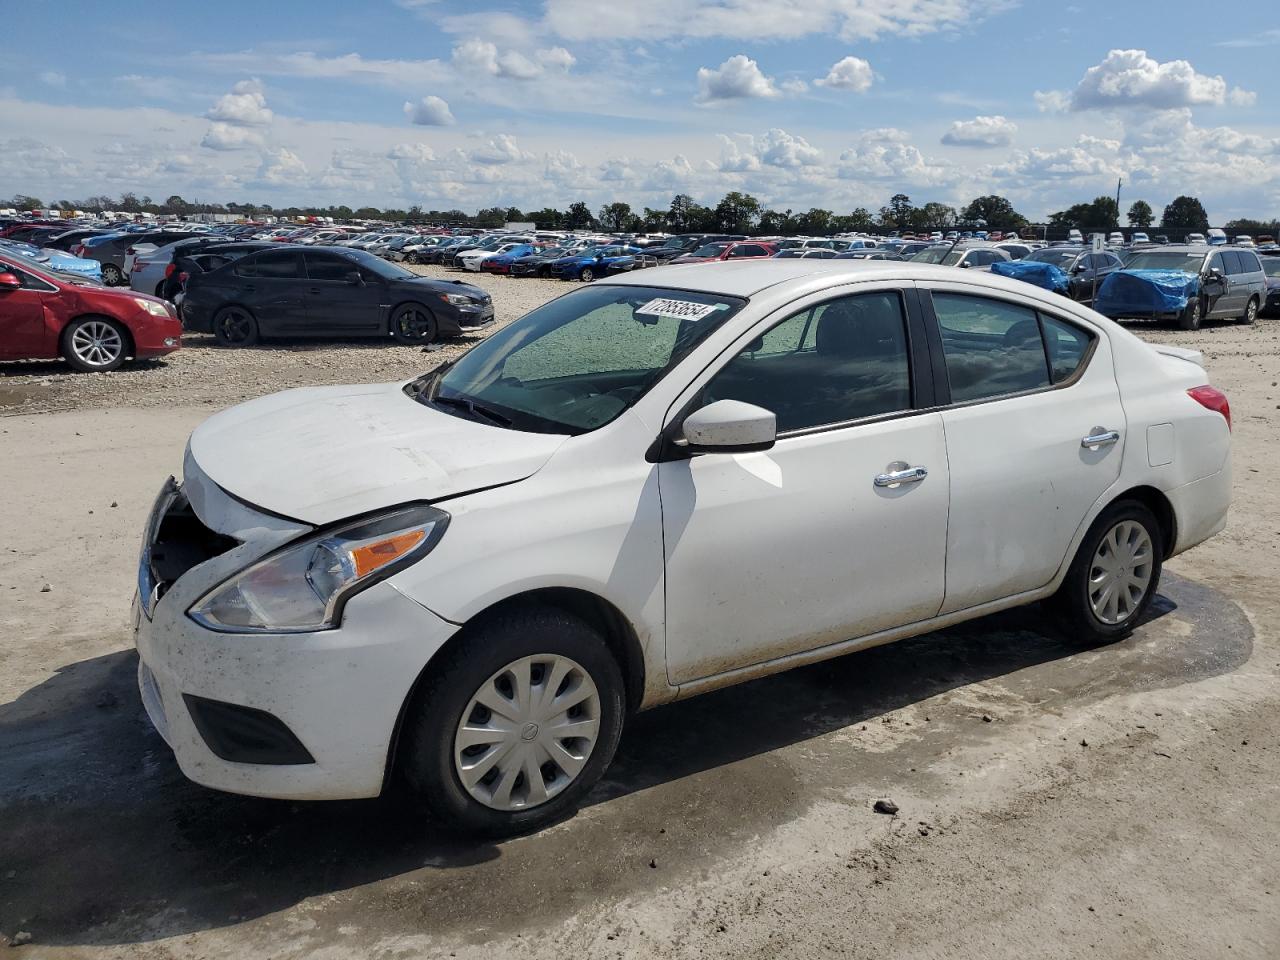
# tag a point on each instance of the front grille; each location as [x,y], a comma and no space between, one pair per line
[181,541]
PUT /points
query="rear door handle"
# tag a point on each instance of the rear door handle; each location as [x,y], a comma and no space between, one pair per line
[910,475]
[1104,439]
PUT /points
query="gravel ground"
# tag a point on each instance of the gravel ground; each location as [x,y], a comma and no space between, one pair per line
[204,373]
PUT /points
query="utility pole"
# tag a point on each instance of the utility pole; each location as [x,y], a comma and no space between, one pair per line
[1119,180]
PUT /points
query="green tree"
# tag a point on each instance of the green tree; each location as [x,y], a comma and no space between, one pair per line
[684,214]
[1141,215]
[737,212]
[814,221]
[176,205]
[654,219]
[514,215]
[21,201]
[1101,214]
[578,216]
[899,210]
[1185,213]
[548,218]
[933,216]
[994,212]
[615,216]
[774,222]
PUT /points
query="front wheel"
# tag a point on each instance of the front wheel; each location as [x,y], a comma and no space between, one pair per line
[587,275]
[518,722]
[1190,317]
[1115,573]
[1250,312]
[235,327]
[413,323]
[94,344]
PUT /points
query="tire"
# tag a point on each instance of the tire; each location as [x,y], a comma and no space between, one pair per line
[412,323]
[112,276]
[528,641]
[1191,317]
[235,327]
[1250,313]
[94,344]
[1082,600]
[587,274]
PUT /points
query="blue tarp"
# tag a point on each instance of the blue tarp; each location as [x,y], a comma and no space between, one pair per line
[1130,293]
[1044,275]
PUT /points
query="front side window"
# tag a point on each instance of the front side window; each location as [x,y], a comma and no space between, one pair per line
[839,361]
[577,362]
[320,267]
[992,348]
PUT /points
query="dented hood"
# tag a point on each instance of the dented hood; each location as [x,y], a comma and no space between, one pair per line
[322,454]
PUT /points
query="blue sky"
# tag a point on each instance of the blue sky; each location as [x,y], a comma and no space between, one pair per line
[830,103]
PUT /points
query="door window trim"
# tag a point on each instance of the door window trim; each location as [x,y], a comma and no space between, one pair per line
[940,360]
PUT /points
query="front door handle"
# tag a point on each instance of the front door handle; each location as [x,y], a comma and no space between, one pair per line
[1103,439]
[910,475]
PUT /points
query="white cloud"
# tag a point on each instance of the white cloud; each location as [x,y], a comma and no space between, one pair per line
[994,131]
[53,78]
[794,86]
[777,148]
[1129,78]
[1052,101]
[737,78]
[763,19]
[430,111]
[282,167]
[1265,38]
[481,56]
[851,73]
[617,169]
[500,149]
[244,106]
[416,152]
[887,154]
[224,136]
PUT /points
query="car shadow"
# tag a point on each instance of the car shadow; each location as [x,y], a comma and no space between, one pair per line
[201,341]
[106,842]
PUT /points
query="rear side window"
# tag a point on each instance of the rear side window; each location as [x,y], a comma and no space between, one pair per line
[276,265]
[992,348]
[1066,345]
[1248,261]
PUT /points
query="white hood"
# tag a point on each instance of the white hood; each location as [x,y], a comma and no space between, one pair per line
[322,454]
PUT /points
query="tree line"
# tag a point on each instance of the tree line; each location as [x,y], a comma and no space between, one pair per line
[736,212]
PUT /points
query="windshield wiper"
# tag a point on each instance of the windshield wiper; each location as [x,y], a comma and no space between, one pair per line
[473,408]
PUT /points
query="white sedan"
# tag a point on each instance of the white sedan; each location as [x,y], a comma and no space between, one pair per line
[653,486]
[472,259]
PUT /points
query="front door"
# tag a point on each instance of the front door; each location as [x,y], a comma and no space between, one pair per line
[1027,390]
[1216,287]
[814,541]
[335,303]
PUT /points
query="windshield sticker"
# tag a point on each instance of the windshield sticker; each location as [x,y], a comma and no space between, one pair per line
[680,309]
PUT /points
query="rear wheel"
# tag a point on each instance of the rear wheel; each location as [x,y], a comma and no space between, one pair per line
[517,723]
[1191,316]
[413,323]
[235,327]
[1115,573]
[94,344]
[1250,312]
[112,276]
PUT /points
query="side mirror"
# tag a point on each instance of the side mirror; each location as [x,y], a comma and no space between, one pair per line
[964,265]
[1214,273]
[9,281]
[729,426]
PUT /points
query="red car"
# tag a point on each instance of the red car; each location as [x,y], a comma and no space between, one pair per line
[45,315]
[728,250]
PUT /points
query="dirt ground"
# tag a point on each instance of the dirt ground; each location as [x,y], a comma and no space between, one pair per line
[1121,801]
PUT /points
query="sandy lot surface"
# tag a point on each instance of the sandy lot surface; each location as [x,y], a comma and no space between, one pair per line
[1120,801]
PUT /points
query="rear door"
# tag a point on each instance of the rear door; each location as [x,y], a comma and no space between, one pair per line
[272,286]
[339,297]
[1035,435]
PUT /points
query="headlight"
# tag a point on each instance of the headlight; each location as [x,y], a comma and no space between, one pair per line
[303,587]
[459,299]
[153,308]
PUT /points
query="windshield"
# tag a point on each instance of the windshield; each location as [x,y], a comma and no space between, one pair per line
[1186,261]
[577,362]
[710,250]
[933,255]
[1059,258]
[383,268]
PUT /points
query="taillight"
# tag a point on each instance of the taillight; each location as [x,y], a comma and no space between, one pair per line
[78,250]
[1213,399]
[168,271]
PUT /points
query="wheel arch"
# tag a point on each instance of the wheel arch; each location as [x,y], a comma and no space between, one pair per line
[1155,501]
[607,619]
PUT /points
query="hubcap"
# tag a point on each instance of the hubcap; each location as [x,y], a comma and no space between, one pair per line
[235,327]
[1120,574]
[96,343]
[413,323]
[527,732]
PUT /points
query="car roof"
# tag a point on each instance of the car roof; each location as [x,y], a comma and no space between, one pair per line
[743,278]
